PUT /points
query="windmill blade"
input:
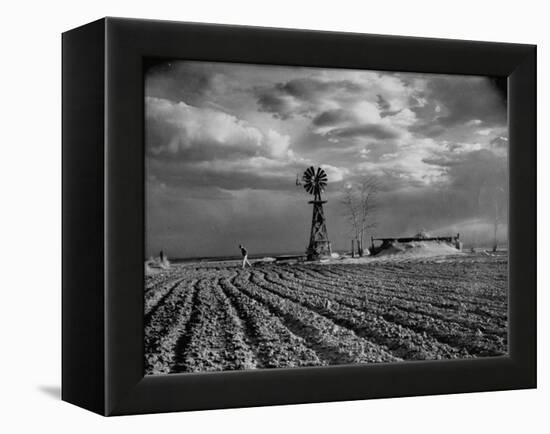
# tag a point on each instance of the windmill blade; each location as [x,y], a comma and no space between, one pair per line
[318,172]
[314,180]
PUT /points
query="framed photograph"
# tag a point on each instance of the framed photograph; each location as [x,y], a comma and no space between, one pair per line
[258,216]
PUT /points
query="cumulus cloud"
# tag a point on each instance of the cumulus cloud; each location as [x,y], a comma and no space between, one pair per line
[333,117]
[346,108]
[189,146]
[382,103]
[473,102]
[306,97]
[193,147]
[178,130]
[335,174]
[499,142]
[282,106]
[163,80]
[385,107]
[377,131]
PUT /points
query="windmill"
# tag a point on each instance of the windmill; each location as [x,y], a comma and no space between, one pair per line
[314,183]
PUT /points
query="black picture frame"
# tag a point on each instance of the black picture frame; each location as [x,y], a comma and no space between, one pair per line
[103,217]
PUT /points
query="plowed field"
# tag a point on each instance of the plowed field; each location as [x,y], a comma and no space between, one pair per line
[216,316]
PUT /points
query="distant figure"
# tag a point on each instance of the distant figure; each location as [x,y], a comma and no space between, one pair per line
[163,261]
[244,252]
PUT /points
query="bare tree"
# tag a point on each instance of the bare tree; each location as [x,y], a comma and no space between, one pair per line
[493,198]
[360,204]
[498,193]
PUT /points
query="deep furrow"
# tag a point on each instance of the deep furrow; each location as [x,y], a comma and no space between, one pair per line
[184,336]
[214,341]
[473,341]
[458,312]
[250,336]
[236,338]
[152,283]
[411,303]
[333,344]
[394,286]
[395,282]
[274,344]
[438,274]
[153,302]
[456,336]
[164,328]
[383,270]
[157,281]
[398,340]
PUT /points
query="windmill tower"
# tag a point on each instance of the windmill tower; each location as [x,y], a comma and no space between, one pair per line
[315,183]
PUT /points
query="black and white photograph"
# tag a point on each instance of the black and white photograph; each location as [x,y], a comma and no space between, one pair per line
[300,216]
[297,216]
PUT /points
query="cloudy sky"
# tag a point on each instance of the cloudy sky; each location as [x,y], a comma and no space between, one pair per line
[224,143]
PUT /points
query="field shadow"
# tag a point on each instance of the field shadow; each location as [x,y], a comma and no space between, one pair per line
[51,391]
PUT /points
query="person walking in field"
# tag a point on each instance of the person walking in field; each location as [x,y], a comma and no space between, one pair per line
[244,252]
